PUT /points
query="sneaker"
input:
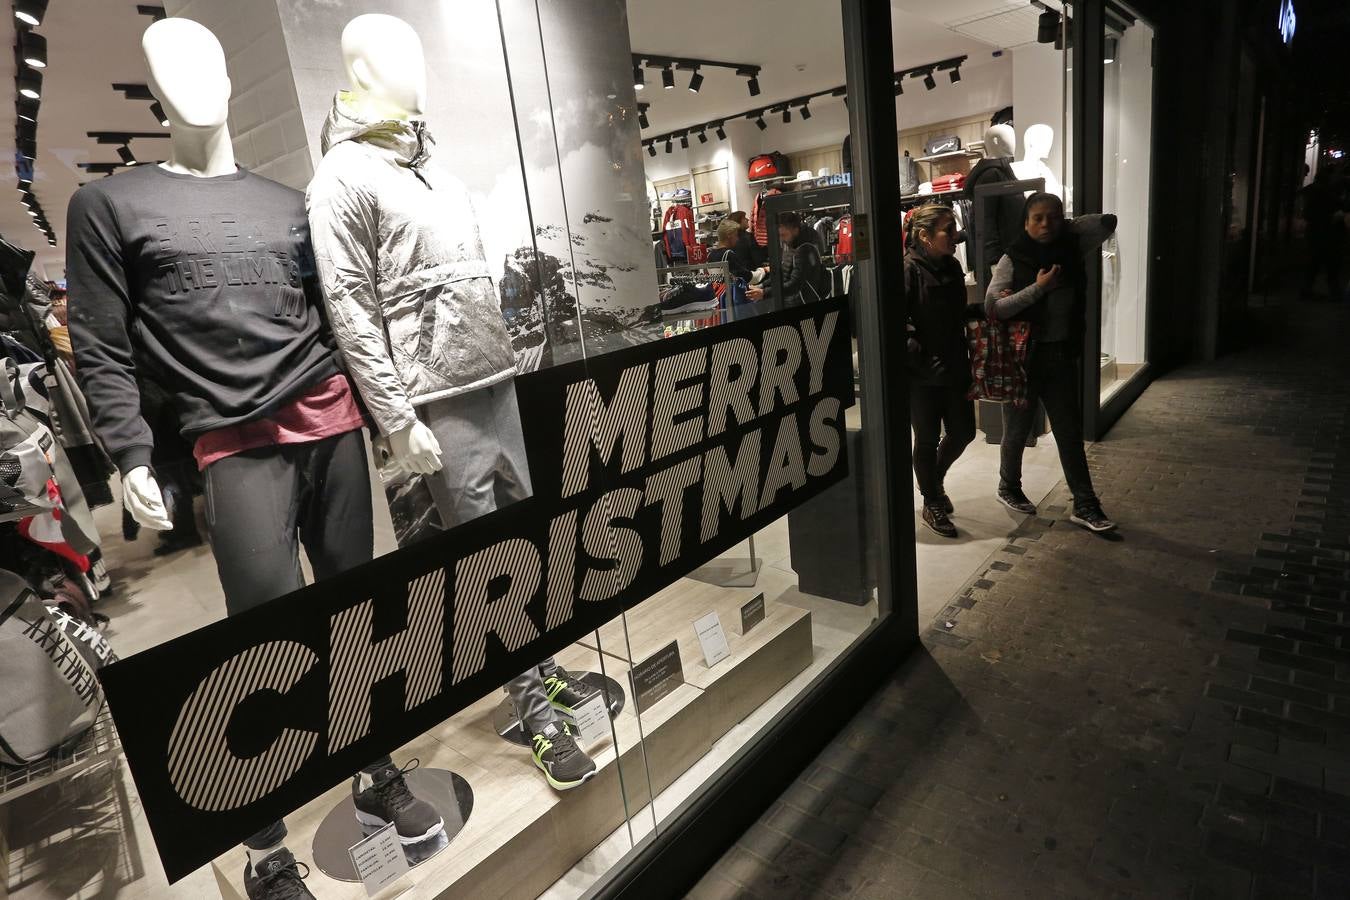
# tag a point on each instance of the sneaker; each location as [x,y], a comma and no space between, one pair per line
[557,755]
[687,298]
[947,505]
[277,877]
[566,693]
[935,517]
[1014,499]
[385,798]
[1092,519]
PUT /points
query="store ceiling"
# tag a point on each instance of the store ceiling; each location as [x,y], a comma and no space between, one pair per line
[798,53]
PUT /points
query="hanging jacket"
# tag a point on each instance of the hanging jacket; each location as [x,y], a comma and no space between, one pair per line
[759,220]
[409,293]
[677,232]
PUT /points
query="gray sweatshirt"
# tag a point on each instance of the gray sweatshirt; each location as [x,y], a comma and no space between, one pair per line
[1091,231]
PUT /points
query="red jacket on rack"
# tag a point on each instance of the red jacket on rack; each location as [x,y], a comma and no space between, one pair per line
[678,224]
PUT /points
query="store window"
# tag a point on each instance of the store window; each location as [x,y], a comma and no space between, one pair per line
[1127,135]
[536,485]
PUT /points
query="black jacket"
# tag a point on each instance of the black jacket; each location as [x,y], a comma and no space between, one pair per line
[737,263]
[803,273]
[1002,220]
[937,310]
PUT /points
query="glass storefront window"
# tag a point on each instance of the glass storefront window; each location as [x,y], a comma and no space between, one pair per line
[537,486]
[1127,134]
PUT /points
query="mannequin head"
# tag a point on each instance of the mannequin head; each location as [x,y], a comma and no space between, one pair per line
[1037,141]
[1000,141]
[385,65]
[187,73]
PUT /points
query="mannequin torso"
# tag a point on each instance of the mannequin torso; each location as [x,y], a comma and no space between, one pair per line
[1037,142]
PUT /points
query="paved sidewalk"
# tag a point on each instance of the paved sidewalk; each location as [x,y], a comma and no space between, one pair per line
[1161,714]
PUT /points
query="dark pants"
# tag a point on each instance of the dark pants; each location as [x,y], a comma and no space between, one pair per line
[263,504]
[933,410]
[1054,378]
[1324,255]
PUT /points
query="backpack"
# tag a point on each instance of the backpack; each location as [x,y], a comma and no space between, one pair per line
[768,165]
[26,448]
[49,664]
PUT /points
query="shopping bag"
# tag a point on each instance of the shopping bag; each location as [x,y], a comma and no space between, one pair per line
[998,360]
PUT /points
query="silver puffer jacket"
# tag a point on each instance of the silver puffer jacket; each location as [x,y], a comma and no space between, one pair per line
[409,294]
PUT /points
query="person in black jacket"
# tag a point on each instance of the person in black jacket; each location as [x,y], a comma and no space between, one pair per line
[939,363]
[803,274]
[746,248]
[728,249]
[1042,279]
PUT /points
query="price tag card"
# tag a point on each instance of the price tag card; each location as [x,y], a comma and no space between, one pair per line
[712,639]
[592,718]
[657,676]
[752,614]
[379,859]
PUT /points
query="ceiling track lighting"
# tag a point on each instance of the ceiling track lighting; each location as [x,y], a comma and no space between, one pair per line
[30,12]
[651,150]
[25,129]
[26,108]
[669,148]
[695,81]
[1112,47]
[955,75]
[643,121]
[1047,27]
[703,137]
[684,142]
[806,112]
[721,132]
[158,112]
[759,122]
[899,86]
[639,76]
[27,149]
[124,153]
[30,84]
[667,78]
[33,48]
[753,85]
[928,80]
[787,115]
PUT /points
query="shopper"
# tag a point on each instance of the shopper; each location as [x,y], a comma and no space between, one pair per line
[939,363]
[746,247]
[1042,279]
[803,274]
[728,249]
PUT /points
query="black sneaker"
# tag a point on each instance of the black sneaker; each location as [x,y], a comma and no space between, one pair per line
[1092,519]
[566,692]
[387,799]
[1014,499]
[277,877]
[557,755]
[935,517]
[947,505]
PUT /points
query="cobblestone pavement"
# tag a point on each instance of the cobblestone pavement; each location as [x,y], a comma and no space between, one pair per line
[1162,714]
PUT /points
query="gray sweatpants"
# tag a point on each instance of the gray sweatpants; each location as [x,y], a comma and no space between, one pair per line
[531,702]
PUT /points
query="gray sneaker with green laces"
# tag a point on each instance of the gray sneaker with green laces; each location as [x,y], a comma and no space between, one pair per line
[562,761]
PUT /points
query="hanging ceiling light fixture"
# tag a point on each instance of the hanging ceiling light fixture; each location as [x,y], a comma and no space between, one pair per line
[1111,48]
[684,142]
[667,78]
[158,112]
[955,75]
[27,148]
[128,158]
[30,84]
[899,85]
[721,132]
[651,149]
[760,122]
[787,115]
[34,49]
[26,108]
[668,146]
[806,112]
[703,137]
[753,85]
[928,81]
[639,76]
[695,81]
[1047,27]
[30,12]
[643,121]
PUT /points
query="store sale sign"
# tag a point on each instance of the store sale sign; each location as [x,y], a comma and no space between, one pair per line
[647,462]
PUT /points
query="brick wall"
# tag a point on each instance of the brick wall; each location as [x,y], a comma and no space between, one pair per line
[265,122]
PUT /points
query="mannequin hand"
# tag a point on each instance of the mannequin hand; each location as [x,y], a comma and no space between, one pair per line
[140,495]
[415,450]
[1048,278]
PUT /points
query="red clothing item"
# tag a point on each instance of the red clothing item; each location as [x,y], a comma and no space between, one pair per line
[327,409]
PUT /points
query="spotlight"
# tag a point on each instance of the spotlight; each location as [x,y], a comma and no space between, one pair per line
[639,77]
[1111,48]
[753,85]
[26,108]
[34,48]
[28,148]
[760,122]
[30,12]
[899,86]
[695,81]
[1047,27]
[667,78]
[955,75]
[928,81]
[806,112]
[643,121]
[684,142]
[721,132]
[30,84]
[668,147]
[651,149]
[787,115]
[158,112]
[25,129]
[703,137]
[28,200]
[128,158]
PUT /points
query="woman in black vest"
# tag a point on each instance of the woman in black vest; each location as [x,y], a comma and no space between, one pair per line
[1042,279]
[939,363]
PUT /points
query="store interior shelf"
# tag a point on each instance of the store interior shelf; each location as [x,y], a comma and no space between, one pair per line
[97,744]
[954,154]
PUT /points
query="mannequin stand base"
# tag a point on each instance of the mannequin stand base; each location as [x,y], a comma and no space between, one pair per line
[447,791]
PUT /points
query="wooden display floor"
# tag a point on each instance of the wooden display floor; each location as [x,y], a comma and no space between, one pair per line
[522,835]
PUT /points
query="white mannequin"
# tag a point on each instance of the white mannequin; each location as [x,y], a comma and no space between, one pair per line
[187,75]
[1000,142]
[388,76]
[1036,145]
